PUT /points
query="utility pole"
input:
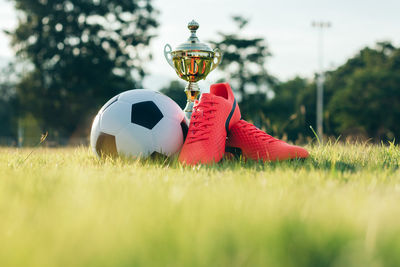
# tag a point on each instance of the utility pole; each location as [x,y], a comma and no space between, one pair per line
[320,25]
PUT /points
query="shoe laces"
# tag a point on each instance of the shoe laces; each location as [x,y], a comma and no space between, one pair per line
[202,121]
[257,133]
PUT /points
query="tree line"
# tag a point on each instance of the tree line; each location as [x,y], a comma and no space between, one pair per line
[71,56]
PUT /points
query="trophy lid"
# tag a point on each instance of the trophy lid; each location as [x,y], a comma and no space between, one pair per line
[193,43]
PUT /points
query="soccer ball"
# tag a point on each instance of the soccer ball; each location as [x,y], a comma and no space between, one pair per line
[139,123]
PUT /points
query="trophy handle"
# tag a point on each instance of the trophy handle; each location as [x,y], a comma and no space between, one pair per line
[218,56]
[167,54]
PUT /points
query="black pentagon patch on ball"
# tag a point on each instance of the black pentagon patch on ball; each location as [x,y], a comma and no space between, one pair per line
[146,114]
[106,146]
[185,129]
[158,156]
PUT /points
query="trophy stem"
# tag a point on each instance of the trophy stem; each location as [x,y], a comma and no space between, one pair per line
[192,91]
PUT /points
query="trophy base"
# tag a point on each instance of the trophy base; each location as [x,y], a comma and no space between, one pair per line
[192,91]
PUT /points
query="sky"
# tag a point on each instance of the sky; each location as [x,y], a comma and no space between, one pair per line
[285,24]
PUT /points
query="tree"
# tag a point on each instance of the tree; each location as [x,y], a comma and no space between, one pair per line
[8,103]
[82,53]
[290,109]
[365,93]
[361,98]
[175,90]
[243,64]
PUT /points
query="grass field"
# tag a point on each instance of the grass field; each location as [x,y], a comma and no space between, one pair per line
[63,207]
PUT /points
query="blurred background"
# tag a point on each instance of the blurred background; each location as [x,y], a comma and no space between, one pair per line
[60,61]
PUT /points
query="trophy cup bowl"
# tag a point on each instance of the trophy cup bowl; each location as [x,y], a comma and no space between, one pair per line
[192,62]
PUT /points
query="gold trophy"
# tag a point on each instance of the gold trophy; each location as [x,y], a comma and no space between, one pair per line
[192,61]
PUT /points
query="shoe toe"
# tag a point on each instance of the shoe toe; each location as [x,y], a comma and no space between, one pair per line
[298,152]
[188,158]
[194,156]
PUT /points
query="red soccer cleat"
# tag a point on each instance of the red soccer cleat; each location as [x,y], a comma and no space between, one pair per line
[212,118]
[255,144]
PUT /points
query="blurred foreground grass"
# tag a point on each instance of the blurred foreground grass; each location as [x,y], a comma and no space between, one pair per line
[63,207]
